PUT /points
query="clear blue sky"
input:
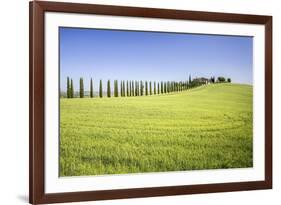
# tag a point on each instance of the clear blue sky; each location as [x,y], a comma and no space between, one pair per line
[156,56]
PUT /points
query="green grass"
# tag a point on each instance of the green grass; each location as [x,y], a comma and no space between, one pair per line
[209,127]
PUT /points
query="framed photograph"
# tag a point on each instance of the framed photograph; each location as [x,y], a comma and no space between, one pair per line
[139,102]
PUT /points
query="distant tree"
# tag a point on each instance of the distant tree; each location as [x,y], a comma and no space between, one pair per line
[158,88]
[136,88]
[121,88]
[68,88]
[146,88]
[128,88]
[190,81]
[165,87]
[221,79]
[124,91]
[150,88]
[108,89]
[100,91]
[71,89]
[168,87]
[91,88]
[115,88]
[212,80]
[133,88]
[154,88]
[229,80]
[141,88]
[81,88]
[162,87]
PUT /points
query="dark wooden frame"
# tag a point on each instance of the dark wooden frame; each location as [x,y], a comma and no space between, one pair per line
[36,101]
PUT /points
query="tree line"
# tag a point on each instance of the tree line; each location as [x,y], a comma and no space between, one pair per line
[130,88]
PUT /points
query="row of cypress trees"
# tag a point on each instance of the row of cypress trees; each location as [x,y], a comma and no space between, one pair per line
[132,88]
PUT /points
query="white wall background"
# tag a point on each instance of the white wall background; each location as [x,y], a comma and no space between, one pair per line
[14,100]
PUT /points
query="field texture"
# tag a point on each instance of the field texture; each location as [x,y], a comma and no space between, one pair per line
[209,127]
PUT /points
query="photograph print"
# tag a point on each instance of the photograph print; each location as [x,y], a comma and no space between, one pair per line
[145,102]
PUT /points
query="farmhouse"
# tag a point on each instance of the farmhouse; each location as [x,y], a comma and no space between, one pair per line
[201,80]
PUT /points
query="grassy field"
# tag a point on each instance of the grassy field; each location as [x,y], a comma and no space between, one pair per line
[208,127]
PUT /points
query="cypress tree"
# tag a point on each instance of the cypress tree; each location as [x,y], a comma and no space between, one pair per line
[154,88]
[133,85]
[158,90]
[115,88]
[180,86]
[81,90]
[150,88]
[124,92]
[146,88]
[68,88]
[133,88]
[71,89]
[91,88]
[141,88]
[100,91]
[121,88]
[128,94]
[168,86]
[162,88]
[136,89]
[165,87]
[108,89]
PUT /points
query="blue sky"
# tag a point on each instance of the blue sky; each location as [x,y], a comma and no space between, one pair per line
[155,56]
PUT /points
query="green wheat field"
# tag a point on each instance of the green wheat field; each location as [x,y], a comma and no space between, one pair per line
[209,127]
